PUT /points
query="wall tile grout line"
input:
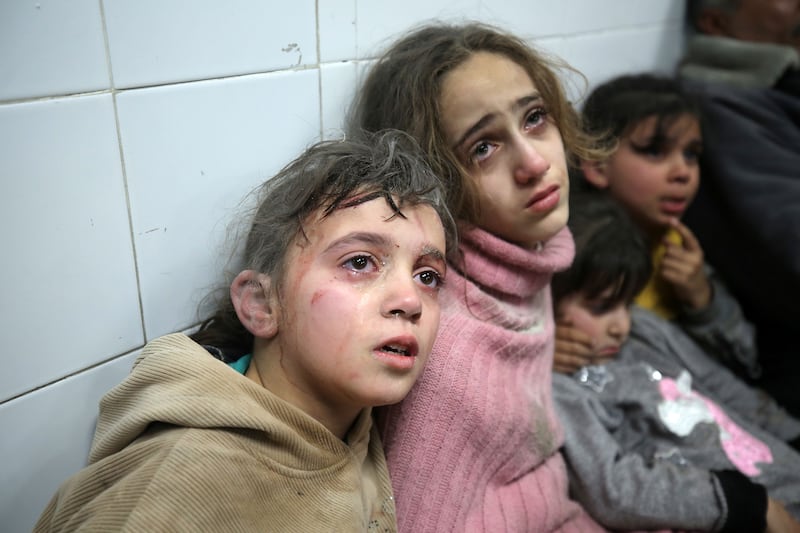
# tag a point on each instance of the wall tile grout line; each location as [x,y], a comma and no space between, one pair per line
[124,171]
[70,375]
[319,70]
[116,90]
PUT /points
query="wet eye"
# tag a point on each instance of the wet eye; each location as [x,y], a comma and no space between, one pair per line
[535,117]
[360,263]
[481,151]
[429,278]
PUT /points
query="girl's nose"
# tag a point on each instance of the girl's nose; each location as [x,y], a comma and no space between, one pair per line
[402,298]
[620,323]
[680,170]
[530,164]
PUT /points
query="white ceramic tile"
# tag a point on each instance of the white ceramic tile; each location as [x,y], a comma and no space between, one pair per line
[337,29]
[656,49]
[192,152]
[338,88]
[50,47]
[46,439]
[69,296]
[153,42]
[570,17]
[379,23]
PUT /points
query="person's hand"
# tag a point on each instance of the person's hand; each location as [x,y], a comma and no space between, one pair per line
[779,520]
[573,349]
[684,269]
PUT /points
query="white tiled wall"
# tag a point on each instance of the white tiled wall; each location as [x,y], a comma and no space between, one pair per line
[129,134]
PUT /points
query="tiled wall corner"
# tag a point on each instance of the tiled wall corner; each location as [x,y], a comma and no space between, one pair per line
[192,151]
[49,47]
[339,80]
[46,438]
[154,42]
[70,297]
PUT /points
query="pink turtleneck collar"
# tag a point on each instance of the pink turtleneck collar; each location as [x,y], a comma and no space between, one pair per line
[508,270]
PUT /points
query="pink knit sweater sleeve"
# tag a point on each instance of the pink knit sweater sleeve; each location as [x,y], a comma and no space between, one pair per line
[474,446]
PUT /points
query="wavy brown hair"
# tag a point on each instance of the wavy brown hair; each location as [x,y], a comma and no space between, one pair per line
[403,89]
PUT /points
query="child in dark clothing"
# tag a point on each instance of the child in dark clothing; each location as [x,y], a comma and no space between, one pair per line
[658,434]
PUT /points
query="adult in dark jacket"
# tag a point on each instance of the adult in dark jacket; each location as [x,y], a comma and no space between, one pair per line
[743,62]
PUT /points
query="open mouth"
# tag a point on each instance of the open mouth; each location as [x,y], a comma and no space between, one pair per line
[673,205]
[398,349]
[399,353]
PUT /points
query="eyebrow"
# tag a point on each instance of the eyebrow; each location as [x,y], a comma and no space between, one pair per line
[434,252]
[366,237]
[488,118]
[381,241]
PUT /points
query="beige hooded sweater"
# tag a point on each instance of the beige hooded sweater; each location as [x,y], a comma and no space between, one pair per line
[186,443]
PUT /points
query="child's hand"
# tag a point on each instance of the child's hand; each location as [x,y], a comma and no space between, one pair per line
[779,520]
[573,349]
[683,268]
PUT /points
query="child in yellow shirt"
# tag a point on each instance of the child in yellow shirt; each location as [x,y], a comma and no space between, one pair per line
[653,130]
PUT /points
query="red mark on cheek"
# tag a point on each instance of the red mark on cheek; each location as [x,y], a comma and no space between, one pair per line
[317,296]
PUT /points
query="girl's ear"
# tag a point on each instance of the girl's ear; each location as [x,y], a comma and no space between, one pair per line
[254,299]
[595,173]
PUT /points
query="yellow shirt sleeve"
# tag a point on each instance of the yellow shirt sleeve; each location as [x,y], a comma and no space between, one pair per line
[657,295]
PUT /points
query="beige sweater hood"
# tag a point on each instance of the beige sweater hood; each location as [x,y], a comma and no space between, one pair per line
[186,443]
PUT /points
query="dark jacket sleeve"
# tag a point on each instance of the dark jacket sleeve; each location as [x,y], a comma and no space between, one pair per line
[722,330]
[747,212]
[747,503]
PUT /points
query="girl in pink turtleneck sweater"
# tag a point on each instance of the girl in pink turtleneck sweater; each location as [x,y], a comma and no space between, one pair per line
[475,445]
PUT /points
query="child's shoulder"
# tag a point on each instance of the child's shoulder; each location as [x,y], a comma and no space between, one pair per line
[175,360]
[169,475]
[173,343]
